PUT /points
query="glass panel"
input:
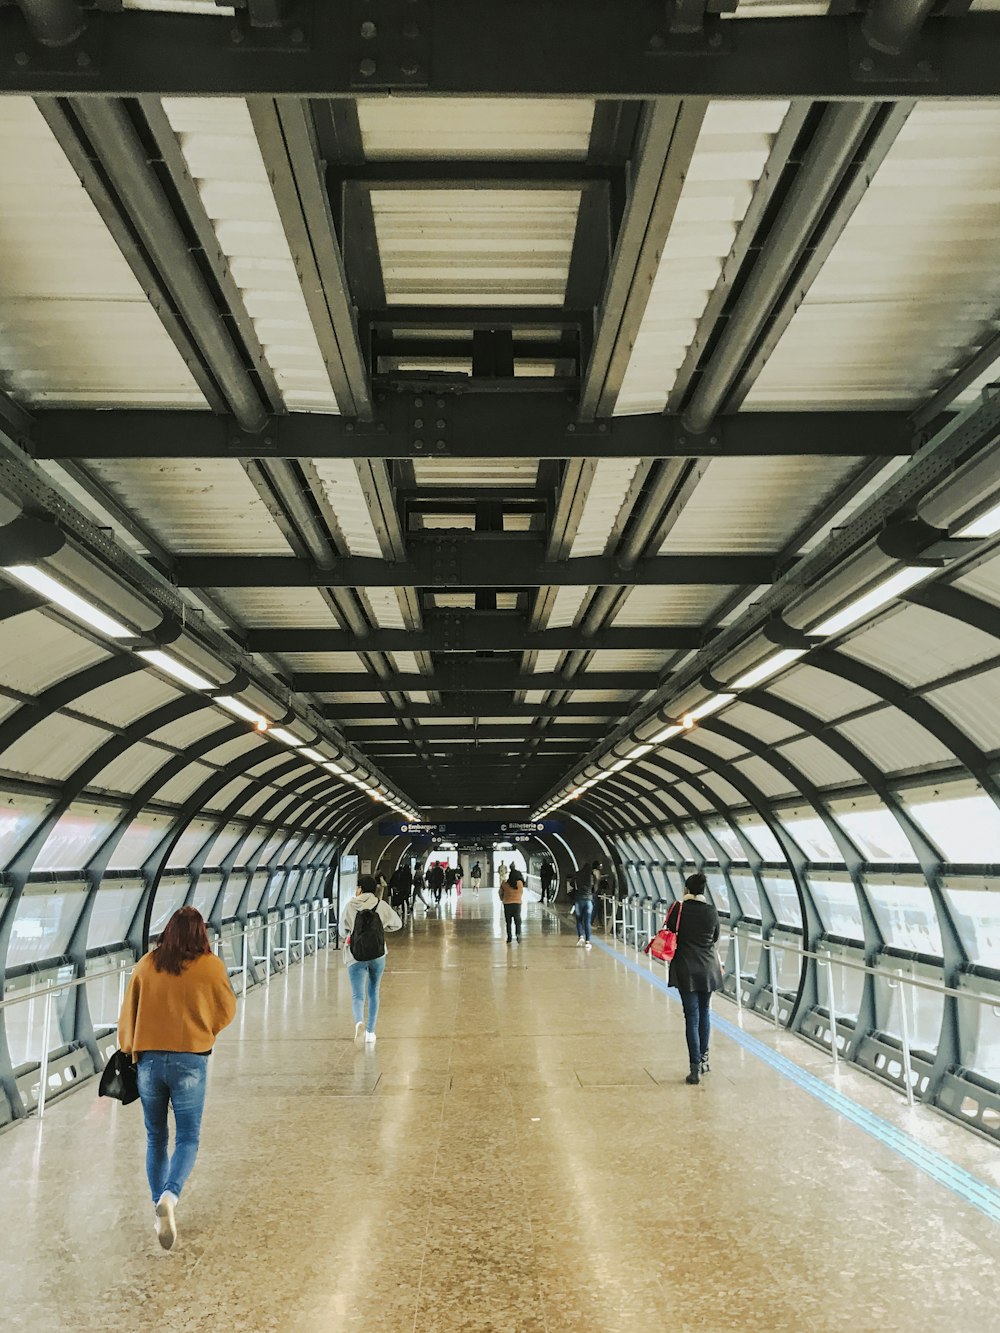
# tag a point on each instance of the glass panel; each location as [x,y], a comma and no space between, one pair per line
[189,844]
[980,1029]
[250,847]
[750,952]
[277,883]
[234,892]
[18,816]
[104,995]
[976,913]
[684,849]
[76,837]
[906,916]
[784,899]
[271,846]
[205,893]
[764,840]
[837,903]
[964,830]
[258,887]
[695,836]
[170,894]
[876,834]
[348,877]
[139,841]
[747,894]
[223,844]
[924,1009]
[718,892]
[25,1022]
[848,984]
[813,836]
[114,907]
[293,885]
[44,921]
[724,834]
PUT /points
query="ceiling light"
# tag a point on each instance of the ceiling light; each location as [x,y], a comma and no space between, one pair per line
[616,768]
[310,754]
[706,709]
[673,730]
[770,667]
[69,601]
[334,768]
[171,667]
[239,709]
[638,752]
[873,599]
[986,525]
[286,737]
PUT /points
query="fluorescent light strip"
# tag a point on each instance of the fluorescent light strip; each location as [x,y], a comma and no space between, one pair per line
[286,738]
[312,754]
[709,707]
[638,752]
[71,602]
[770,667]
[666,734]
[239,709]
[872,600]
[617,768]
[986,525]
[171,667]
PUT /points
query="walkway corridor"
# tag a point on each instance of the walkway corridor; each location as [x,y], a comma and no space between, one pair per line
[520,1153]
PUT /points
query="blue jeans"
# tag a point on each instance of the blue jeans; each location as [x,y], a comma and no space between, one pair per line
[370,973]
[177,1079]
[696,1023]
[584,910]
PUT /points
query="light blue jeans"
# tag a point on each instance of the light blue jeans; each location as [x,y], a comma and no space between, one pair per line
[369,973]
[584,910]
[177,1079]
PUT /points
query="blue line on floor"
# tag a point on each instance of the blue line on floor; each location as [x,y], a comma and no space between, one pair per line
[939,1168]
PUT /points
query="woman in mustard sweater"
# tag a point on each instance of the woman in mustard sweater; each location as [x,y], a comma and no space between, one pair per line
[178,1001]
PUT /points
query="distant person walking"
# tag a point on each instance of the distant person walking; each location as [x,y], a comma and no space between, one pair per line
[583,905]
[177,1002]
[399,890]
[695,969]
[511,895]
[366,919]
[548,877]
[435,880]
[418,889]
[476,877]
[450,879]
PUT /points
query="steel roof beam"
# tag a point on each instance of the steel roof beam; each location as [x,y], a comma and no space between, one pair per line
[479,564]
[372,737]
[519,48]
[481,706]
[472,174]
[409,425]
[474,677]
[473,633]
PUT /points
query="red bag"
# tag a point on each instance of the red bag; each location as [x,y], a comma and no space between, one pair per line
[663,945]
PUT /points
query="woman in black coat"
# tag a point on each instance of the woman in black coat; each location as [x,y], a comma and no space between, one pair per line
[695,969]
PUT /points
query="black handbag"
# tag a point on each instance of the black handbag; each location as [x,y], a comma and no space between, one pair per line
[120,1079]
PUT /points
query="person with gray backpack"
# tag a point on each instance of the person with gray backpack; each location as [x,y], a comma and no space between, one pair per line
[365,920]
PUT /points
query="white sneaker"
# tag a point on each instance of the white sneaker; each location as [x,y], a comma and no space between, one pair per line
[358,1029]
[369,1040]
[580,942]
[588,945]
[166,1224]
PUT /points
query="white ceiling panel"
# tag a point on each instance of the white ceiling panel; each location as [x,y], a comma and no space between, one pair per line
[754,504]
[759,723]
[75,325]
[566,606]
[626,659]
[341,486]
[126,700]
[821,693]
[486,247]
[385,607]
[37,650]
[916,645]
[973,705]
[54,748]
[894,741]
[194,506]
[611,485]
[131,769]
[220,147]
[500,472]
[764,777]
[714,744]
[983,582]
[482,127]
[293,608]
[683,604]
[911,284]
[732,149]
[195,726]
[185,783]
[819,763]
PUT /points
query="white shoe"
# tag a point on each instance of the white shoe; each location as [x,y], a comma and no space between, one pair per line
[358,1029]
[580,942]
[369,1040]
[166,1224]
[588,945]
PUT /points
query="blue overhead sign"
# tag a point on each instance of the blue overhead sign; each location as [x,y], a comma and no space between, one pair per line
[502,830]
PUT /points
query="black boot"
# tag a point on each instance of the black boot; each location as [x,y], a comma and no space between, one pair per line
[694,1076]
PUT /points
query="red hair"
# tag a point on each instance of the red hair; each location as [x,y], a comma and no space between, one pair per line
[184,938]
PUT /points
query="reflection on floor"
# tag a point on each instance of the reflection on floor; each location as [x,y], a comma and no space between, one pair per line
[520,1153]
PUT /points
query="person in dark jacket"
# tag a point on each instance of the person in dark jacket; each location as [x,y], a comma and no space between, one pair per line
[548,878]
[695,970]
[435,880]
[583,904]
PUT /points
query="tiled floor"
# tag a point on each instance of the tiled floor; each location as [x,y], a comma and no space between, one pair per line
[520,1153]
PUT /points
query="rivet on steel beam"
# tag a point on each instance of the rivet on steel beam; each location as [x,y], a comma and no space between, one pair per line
[418,423]
[297,36]
[439,444]
[368,31]
[350,428]
[82,59]
[418,444]
[440,402]
[570,429]
[22,58]
[441,424]
[367,68]
[410,70]
[411,30]
[418,402]
[235,36]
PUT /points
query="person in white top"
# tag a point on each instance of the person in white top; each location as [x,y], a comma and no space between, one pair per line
[365,920]
[502,872]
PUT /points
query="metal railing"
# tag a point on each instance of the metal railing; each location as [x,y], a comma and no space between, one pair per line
[635,913]
[321,927]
